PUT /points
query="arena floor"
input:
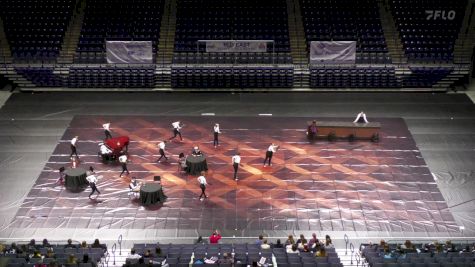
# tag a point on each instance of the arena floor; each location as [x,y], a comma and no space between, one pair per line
[417,182]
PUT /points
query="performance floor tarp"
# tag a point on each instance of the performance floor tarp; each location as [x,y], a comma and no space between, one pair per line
[322,186]
[442,126]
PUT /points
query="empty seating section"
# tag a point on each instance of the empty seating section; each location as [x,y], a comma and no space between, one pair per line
[428,29]
[231,20]
[347,20]
[425,76]
[232,77]
[126,20]
[35,28]
[112,77]
[375,256]
[353,77]
[43,77]
[244,255]
[231,58]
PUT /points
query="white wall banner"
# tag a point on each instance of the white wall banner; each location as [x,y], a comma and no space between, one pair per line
[236,46]
[333,52]
[129,52]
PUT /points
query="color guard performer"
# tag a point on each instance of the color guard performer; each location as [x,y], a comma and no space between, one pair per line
[270,152]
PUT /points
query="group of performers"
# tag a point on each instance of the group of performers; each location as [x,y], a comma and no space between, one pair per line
[119,151]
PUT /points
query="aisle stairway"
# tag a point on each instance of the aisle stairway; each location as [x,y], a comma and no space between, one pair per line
[5,52]
[167,33]
[71,37]
[391,34]
[465,42]
[298,43]
[166,45]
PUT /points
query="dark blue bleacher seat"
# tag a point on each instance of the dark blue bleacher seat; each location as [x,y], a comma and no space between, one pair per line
[347,20]
[35,28]
[123,20]
[422,35]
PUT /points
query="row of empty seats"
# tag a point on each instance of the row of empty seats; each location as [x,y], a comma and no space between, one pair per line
[359,77]
[425,76]
[112,77]
[232,77]
[232,58]
[137,20]
[231,20]
[344,20]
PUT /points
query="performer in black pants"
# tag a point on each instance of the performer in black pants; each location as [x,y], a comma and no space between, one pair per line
[107,130]
[123,161]
[236,162]
[202,181]
[161,150]
[177,125]
[270,152]
[92,179]
[73,147]
[216,133]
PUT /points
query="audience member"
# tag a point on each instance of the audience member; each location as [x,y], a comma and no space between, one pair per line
[321,252]
[313,241]
[260,240]
[13,248]
[133,257]
[83,244]
[50,253]
[301,239]
[72,259]
[215,237]
[226,259]
[328,242]
[96,244]
[37,255]
[86,259]
[200,240]
[158,251]
[70,244]
[293,249]
[290,240]
[46,243]
[148,254]
[32,244]
[278,244]
[264,245]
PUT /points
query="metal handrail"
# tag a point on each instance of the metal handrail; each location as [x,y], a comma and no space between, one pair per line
[119,240]
[113,251]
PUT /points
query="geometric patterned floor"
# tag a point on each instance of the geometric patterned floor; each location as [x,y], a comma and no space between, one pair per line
[324,186]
